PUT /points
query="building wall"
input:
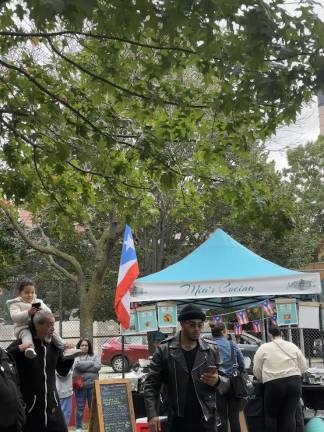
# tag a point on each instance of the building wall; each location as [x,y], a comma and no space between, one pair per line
[316,267]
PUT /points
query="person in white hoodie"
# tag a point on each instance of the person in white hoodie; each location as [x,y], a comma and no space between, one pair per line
[65,392]
[279,365]
[22,309]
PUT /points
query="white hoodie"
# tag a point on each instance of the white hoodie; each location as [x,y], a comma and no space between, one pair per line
[18,309]
[64,385]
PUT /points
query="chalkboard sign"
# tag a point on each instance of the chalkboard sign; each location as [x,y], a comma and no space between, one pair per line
[112,407]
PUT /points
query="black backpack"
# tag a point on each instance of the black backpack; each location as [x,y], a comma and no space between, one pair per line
[12,406]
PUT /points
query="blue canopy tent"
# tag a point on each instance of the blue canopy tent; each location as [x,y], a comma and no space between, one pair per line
[223,268]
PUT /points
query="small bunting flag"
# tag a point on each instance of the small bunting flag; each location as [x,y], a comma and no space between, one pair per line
[267,307]
[242,316]
[237,329]
[256,326]
[273,319]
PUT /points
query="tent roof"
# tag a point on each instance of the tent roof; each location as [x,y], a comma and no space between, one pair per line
[222,267]
[219,257]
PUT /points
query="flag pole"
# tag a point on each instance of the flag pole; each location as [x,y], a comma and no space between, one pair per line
[123,354]
[128,272]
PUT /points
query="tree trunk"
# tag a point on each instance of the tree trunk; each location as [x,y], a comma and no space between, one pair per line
[86,319]
[88,295]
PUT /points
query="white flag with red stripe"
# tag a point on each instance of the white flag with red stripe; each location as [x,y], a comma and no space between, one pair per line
[128,272]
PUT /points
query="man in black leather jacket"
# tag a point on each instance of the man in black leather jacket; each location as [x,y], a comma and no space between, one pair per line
[187,368]
[12,406]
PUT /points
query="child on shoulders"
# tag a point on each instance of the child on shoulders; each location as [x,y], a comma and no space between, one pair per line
[22,309]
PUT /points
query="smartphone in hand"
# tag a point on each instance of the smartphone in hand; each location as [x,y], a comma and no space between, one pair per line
[36,305]
[211,370]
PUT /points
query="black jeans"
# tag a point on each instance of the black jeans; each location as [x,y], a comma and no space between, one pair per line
[228,408]
[281,398]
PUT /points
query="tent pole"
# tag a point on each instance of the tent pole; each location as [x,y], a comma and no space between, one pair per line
[321,326]
[263,326]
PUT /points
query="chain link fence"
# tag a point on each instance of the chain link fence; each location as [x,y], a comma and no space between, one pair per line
[62,297]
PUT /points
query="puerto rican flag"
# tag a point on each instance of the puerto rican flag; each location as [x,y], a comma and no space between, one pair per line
[242,317]
[256,326]
[218,319]
[237,329]
[128,272]
[274,320]
[267,307]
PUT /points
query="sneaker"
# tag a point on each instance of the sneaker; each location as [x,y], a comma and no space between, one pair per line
[30,353]
[71,353]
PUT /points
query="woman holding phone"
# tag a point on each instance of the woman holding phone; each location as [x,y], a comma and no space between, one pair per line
[228,405]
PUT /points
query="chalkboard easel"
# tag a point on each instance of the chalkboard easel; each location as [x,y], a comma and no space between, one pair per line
[112,407]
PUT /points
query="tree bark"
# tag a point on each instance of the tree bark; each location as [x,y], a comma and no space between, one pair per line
[86,310]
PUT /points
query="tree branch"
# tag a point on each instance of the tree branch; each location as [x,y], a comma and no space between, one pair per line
[118,87]
[18,134]
[51,94]
[110,178]
[52,260]
[48,250]
[104,244]
[96,36]
[98,77]
[61,269]
[51,194]
[14,112]
[90,235]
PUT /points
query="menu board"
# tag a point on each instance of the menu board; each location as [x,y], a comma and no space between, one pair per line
[167,314]
[133,326]
[147,320]
[112,407]
[286,311]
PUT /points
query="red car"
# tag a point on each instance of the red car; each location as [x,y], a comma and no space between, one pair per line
[135,348]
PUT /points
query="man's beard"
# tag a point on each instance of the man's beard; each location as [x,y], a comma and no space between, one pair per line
[48,339]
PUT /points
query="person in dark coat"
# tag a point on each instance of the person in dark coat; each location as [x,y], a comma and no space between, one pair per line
[187,367]
[37,377]
[12,406]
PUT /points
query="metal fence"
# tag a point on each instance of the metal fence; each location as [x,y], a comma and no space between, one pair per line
[55,293]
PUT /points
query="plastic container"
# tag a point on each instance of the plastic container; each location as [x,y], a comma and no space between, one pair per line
[316,424]
[142,425]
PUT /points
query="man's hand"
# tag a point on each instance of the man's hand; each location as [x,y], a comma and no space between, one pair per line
[32,311]
[210,379]
[23,347]
[154,424]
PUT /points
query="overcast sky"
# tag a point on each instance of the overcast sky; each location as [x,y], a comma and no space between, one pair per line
[306,127]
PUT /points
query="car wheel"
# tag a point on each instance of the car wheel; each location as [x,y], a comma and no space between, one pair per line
[117,364]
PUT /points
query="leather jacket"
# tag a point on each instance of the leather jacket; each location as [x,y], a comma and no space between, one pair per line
[168,369]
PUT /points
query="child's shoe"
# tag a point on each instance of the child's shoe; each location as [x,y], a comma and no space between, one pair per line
[71,353]
[30,353]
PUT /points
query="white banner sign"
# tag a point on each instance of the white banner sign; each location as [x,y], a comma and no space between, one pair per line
[302,283]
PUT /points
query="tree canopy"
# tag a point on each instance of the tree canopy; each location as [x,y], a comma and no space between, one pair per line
[109,108]
[97,88]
